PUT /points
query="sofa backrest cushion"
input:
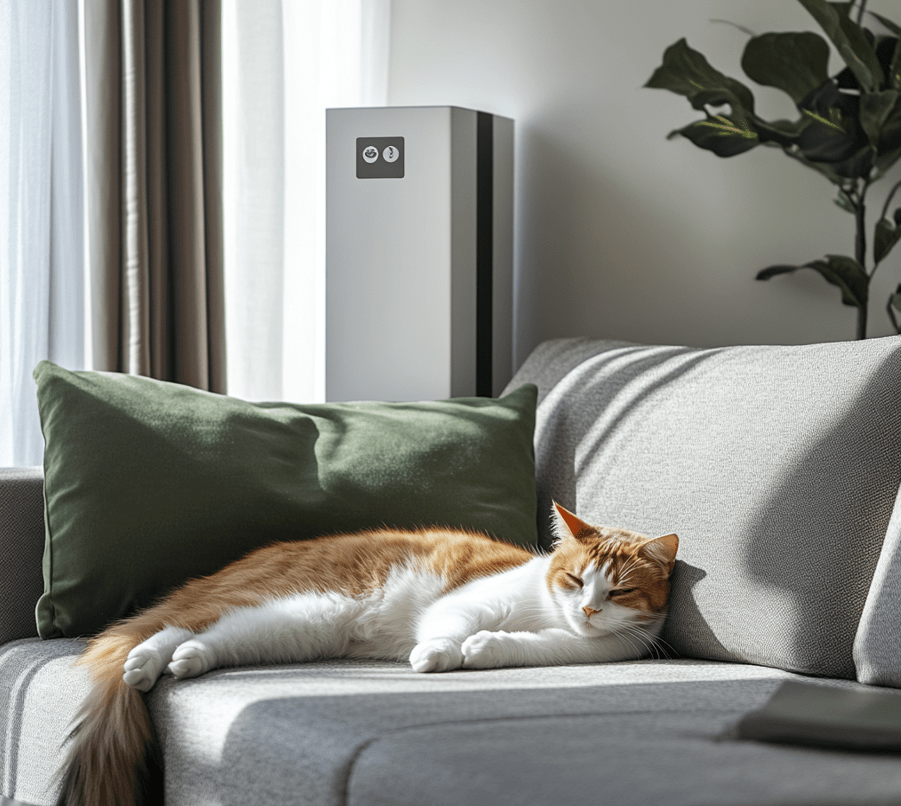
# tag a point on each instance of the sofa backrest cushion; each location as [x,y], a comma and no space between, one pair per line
[778,467]
[148,484]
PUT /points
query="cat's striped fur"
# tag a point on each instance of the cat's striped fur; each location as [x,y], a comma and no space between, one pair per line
[442,599]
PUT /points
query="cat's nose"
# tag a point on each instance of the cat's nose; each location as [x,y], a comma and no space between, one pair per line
[589,611]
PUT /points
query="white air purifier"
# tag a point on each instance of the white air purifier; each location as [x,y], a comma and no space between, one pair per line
[419,253]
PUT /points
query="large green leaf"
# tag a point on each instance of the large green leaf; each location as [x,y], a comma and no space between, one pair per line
[687,72]
[725,136]
[825,139]
[850,41]
[894,76]
[783,132]
[885,50]
[893,72]
[795,63]
[833,133]
[876,108]
[889,141]
[841,271]
[888,233]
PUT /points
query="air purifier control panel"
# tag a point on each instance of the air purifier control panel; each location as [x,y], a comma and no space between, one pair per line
[380,158]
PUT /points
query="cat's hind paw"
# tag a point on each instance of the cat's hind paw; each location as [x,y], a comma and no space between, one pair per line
[191,659]
[485,650]
[441,655]
[143,668]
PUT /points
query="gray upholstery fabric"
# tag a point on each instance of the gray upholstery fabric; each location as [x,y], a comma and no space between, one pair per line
[39,696]
[877,645]
[21,550]
[673,756]
[298,734]
[778,468]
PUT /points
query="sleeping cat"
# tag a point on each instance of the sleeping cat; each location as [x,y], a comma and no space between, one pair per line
[442,599]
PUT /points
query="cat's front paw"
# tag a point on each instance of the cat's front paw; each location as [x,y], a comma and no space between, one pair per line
[485,650]
[143,668]
[192,659]
[440,655]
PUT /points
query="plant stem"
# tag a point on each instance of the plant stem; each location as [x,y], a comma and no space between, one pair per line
[860,252]
[860,11]
[860,239]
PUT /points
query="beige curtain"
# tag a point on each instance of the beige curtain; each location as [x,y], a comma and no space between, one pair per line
[153,156]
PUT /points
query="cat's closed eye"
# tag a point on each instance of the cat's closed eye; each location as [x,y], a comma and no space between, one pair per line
[574,579]
[621,592]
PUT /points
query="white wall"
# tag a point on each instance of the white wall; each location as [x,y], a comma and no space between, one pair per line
[619,232]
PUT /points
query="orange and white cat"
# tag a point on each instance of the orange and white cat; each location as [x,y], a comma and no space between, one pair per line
[442,599]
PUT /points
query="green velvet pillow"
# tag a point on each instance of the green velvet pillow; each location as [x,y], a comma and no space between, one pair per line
[147,484]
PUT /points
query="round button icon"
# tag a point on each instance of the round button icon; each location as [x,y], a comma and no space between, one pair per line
[371,154]
[391,153]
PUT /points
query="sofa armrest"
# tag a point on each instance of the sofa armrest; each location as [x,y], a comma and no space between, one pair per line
[21,550]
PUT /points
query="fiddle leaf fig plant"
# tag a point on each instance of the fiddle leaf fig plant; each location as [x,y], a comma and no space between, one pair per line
[848,126]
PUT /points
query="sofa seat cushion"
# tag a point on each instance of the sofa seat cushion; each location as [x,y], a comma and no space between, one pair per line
[353,732]
[673,756]
[289,735]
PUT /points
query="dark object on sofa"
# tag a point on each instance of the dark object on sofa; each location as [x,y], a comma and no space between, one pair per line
[824,716]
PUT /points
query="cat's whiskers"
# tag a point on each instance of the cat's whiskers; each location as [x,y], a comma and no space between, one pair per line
[666,649]
[659,646]
[635,635]
[630,636]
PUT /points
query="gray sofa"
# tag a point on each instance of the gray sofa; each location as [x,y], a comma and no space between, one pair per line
[778,468]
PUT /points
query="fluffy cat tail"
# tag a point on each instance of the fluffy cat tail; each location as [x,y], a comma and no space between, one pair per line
[113,757]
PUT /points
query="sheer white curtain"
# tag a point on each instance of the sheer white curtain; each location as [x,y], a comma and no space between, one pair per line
[284,63]
[41,259]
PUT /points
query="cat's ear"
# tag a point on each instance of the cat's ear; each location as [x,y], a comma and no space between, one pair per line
[663,550]
[566,524]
